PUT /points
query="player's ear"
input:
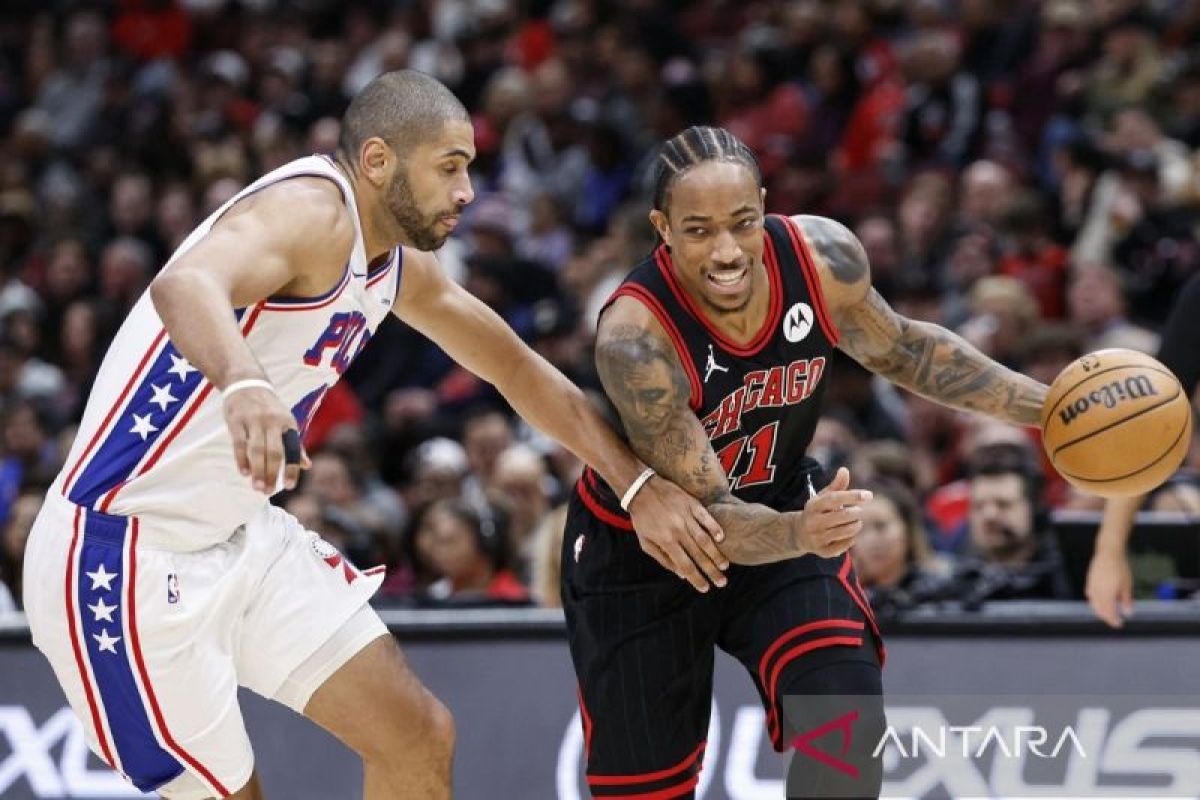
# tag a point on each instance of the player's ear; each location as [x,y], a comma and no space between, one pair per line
[762,196]
[373,160]
[659,220]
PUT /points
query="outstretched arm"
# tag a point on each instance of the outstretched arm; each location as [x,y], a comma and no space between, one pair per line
[478,339]
[920,356]
[644,379]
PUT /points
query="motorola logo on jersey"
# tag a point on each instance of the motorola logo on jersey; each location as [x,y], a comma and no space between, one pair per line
[797,322]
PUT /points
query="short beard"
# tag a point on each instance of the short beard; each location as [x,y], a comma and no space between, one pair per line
[402,205]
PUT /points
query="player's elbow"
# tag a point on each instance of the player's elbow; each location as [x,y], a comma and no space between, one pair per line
[165,291]
[175,289]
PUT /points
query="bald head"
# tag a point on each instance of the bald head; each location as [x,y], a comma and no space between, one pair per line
[403,108]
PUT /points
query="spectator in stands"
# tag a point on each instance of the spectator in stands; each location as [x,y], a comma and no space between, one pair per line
[892,461]
[944,106]
[1096,305]
[26,377]
[1011,556]
[892,556]
[1130,64]
[1003,311]
[126,267]
[469,557]
[339,490]
[438,471]
[962,141]
[382,508]
[985,192]
[522,482]
[1032,256]
[486,434]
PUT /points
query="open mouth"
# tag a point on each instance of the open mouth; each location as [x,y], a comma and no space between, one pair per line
[728,281]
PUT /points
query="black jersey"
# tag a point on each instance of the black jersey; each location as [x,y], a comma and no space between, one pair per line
[758,403]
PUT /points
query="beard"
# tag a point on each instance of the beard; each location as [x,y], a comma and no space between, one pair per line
[418,228]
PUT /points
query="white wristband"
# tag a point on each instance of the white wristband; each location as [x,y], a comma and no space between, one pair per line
[249,383]
[636,487]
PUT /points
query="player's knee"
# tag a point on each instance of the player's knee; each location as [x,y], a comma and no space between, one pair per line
[421,731]
[440,728]
[834,721]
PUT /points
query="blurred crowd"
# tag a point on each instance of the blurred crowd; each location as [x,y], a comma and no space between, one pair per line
[1024,172]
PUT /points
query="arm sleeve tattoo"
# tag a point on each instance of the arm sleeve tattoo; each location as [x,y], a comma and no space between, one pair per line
[920,356]
[643,377]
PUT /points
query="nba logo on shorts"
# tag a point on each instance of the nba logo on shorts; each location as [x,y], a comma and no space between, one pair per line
[172,588]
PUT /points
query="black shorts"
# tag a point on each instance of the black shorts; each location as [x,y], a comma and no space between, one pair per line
[642,644]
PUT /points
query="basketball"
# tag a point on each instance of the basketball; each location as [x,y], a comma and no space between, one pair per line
[1116,423]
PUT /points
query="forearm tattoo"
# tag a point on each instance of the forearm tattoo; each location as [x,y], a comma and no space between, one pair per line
[920,356]
[644,380]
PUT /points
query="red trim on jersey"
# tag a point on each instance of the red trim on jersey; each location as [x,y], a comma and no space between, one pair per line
[74,633]
[662,794]
[134,379]
[131,610]
[375,570]
[649,777]
[774,311]
[813,280]
[601,513]
[586,718]
[309,303]
[864,605]
[163,443]
[647,298]
[800,631]
[772,689]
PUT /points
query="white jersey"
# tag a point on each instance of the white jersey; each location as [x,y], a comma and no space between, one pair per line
[153,441]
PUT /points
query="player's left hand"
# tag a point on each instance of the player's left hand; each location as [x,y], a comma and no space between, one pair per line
[677,531]
[258,421]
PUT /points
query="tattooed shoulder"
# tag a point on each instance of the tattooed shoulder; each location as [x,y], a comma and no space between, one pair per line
[837,245]
[641,374]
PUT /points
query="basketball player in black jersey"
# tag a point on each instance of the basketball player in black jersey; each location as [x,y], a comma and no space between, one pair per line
[715,351]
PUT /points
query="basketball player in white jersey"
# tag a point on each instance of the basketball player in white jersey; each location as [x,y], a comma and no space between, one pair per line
[158,576]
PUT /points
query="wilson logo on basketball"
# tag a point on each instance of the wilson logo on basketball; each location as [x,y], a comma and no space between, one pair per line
[1132,388]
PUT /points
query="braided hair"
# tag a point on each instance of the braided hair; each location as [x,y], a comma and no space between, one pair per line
[692,147]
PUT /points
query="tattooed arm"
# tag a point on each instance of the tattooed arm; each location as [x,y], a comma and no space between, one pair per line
[644,379]
[920,356]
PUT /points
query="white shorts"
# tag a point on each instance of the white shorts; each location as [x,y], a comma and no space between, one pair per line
[150,645]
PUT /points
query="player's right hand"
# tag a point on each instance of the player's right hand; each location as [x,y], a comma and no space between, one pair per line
[677,531]
[832,520]
[1109,588]
[257,419]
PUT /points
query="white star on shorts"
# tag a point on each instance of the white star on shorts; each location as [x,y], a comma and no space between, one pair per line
[101,578]
[102,611]
[106,642]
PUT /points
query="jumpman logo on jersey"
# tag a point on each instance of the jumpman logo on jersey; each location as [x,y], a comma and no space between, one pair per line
[712,366]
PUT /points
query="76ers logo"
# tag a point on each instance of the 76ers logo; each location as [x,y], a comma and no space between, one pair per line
[330,555]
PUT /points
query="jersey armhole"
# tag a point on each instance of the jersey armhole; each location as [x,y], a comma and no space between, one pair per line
[812,280]
[652,304]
